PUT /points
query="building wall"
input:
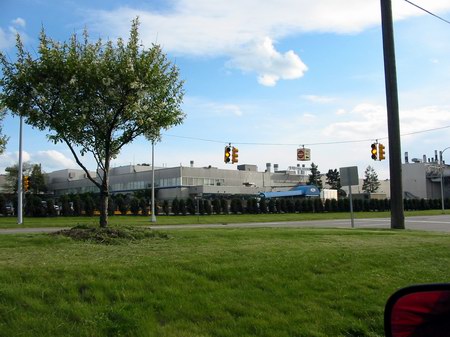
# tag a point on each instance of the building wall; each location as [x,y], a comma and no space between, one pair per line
[179,182]
[423,180]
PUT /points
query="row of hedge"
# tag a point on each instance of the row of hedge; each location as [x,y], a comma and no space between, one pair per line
[87,205]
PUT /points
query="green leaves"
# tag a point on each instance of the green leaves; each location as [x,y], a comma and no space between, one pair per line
[95,97]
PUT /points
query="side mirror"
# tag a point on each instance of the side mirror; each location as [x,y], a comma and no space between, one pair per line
[418,311]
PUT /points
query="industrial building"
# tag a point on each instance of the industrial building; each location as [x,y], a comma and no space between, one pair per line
[183,182]
[421,179]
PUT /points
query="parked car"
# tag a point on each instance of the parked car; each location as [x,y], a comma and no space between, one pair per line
[9,209]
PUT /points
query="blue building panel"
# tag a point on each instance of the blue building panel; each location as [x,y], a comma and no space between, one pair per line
[298,191]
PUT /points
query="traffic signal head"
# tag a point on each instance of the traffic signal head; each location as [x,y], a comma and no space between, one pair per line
[234,155]
[227,155]
[26,183]
[381,152]
[374,151]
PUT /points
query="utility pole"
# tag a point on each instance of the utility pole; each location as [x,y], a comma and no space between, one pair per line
[395,159]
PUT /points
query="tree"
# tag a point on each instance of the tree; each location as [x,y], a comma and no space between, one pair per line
[3,138]
[95,97]
[37,179]
[134,206]
[334,181]
[11,179]
[370,183]
[175,206]
[314,177]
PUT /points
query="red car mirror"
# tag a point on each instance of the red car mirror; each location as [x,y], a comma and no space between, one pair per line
[419,311]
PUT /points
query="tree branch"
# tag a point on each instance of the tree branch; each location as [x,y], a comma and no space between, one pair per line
[80,163]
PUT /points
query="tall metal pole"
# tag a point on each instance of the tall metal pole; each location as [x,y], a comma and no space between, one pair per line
[153,219]
[19,180]
[442,178]
[395,159]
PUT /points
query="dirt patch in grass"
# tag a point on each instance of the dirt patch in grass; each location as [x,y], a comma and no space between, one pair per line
[110,235]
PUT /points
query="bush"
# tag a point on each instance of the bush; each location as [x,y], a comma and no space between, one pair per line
[236,206]
[166,207]
[207,207]
[134,206]
[182,206]
[89,206]
[298,206]
[272,206]
[175,206]
[263,206]
[327,206]
[224,206]
[190,206]
[50,211]
[318,205]
[334,205]
[77,205]
[143,206]
[216,206]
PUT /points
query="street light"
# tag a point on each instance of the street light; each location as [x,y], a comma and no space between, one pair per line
[153,217]
[442,179]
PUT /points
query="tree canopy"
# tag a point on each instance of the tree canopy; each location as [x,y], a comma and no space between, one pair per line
[371,184]
[334,181]
[94,97]
[3,138]
[315,176]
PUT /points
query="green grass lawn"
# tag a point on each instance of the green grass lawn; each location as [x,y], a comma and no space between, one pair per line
[215,282]
[11,222]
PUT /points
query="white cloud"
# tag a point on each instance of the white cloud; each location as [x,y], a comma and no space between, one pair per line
[244,30]
[8,36]
[369,120]
[53,160]
[318,99]
[424,118]
[270,65]
[365,120]
[9,159]
[200,108]
[19,22]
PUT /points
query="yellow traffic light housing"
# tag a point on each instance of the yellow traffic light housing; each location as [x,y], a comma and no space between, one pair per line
[381,152]
[227,155]
[234,155]
[374,151]
[26,183]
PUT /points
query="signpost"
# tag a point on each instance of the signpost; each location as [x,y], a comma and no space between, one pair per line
[303,154]
[349,177]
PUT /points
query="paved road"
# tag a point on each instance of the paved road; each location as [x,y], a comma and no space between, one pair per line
[437,223]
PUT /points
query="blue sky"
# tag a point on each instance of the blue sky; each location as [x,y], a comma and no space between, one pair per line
[267,76]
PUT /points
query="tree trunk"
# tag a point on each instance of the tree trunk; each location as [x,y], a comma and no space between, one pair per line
[104,196]
[104,208]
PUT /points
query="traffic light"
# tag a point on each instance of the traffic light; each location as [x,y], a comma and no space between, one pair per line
[381,152]
[227,156]
[26,183]
[234,155]
[374,151]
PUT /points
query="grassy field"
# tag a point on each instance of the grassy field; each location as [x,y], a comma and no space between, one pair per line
[11,222]
[217,282]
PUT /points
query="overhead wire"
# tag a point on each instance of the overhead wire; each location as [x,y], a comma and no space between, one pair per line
[427,11]
[308,144]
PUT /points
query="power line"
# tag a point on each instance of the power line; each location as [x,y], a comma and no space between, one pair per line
[307,144]
[427,11]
